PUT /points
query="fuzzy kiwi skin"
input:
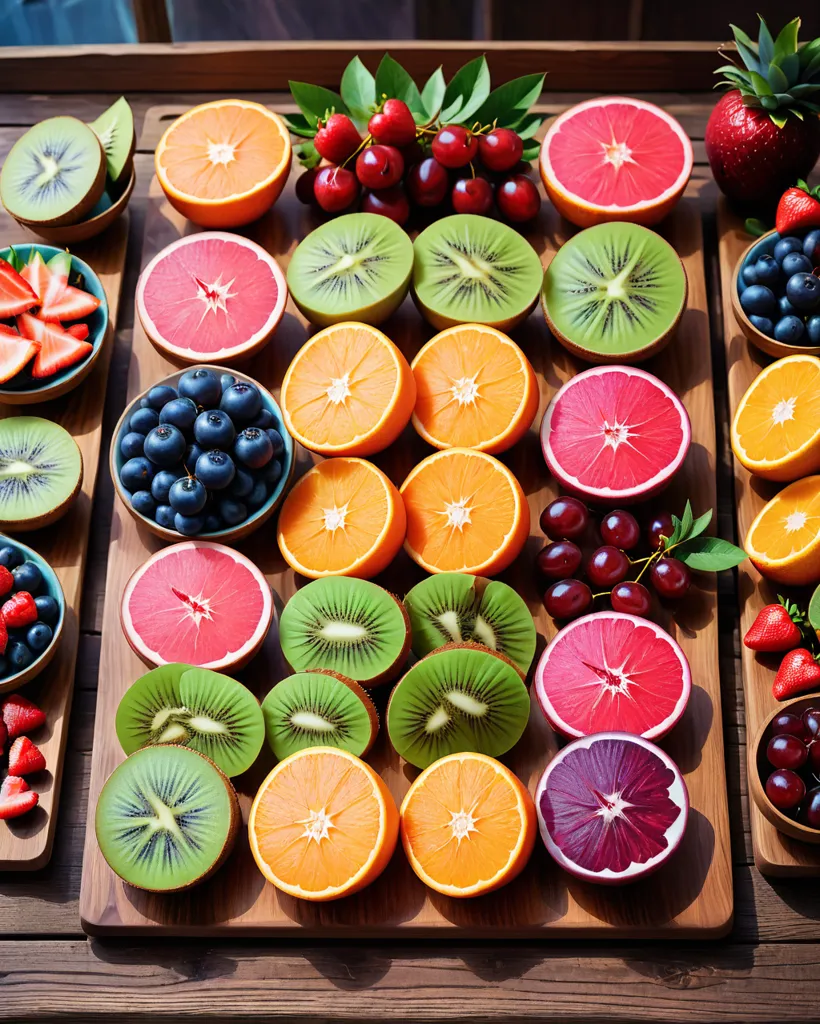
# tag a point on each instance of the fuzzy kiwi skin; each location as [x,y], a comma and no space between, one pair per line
[47,518]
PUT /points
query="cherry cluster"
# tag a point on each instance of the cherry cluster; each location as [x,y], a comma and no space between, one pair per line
[399,162]
[794,752]
[567,523]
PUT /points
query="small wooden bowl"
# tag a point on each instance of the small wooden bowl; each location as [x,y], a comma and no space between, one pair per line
[233,533]
[51,587]
[760,769]
[770,346]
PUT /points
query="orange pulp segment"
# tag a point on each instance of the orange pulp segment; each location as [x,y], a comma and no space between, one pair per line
[784,540]
[466,512]
[323,824]
[342,518]
[476,389]
[467,825]
[348,391]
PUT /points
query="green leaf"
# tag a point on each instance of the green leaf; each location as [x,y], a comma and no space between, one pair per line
[765,43]
[60,264]
[790,66]
[786,42]
[509,101]
[298,124]
[358,90]
[779,119]
[814,610]
[527,126]
[805,88]
[709,554]
[769,103]
[315,101]
[746,48]
[777,80]
[676,532]
[14,261]
[531,151]
[308,154]
[686,520]
[467,90]
[393,82]
[432,94]
[756,228]
[762,87]
[700,524]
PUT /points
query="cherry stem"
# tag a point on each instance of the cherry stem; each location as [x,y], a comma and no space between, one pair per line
[365,142]
[604,593]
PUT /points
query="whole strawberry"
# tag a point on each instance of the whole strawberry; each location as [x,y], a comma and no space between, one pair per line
[798,673]
[337,138]
[393,125]
[798,209]
[20,610]
[776,628]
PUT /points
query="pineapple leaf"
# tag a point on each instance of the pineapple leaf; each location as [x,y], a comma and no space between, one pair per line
[786,41]
[808,51]
[797,113]
[812,67]
[783,98]
[804,89]
[779,119]
[790,66]
[777,79]
[769,103]
[765,43]
[761,86]
[747,49]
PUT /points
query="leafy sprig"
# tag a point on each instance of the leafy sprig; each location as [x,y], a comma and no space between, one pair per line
[693,548]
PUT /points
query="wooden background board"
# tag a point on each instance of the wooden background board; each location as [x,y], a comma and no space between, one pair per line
[774,852]
[25,844]
[691,896]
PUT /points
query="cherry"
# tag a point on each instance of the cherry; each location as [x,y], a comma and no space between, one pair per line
[630,597]
[565,518]
[335,188]
[810,814]
[791,725]
[337,138]
[379,166]
[607,566]
[559,560]
[786,751]
[811,720]
[427,182]
[670,577]
[814,756]
[389,202]
[500,149]
[620,529]
[518,198]
[454,146]
[472,195]
[660,525]
[785,789]
[567,599]
[412,154]
[304,186]
[393,124]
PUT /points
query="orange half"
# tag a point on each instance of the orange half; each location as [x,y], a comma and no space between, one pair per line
[323,825]
[224,163]
[475,388]
[342,518]
[348,391]
[467,825]
[466,512]
[784,540]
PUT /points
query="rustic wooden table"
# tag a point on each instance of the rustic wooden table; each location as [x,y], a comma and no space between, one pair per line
[766,970]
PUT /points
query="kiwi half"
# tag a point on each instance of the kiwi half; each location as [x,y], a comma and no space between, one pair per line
[345,625]
[54,174]
[41,469]
[454,607]
[166,819]
[319,709]
[614,293]
[355,267]
[471,269]
[115,130]
[196,708]
[460,698]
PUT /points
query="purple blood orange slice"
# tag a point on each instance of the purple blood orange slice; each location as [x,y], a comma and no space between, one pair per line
[611,672]
[197,603]
[615,434]
[211,297]
[611,807]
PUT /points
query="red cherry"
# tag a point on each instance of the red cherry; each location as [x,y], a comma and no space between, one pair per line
[620,529]
[379,166]
[670,577]
[565,518]
[660,526]
[518,198]
[500,149]
[304,186]
[393,125]
[559,560]
[607,566]
[335,188]
[412,154]
[472,195]
[427,182]
[567,599]
[630,597]
[337,138]
[454,146]
[389,202]
[785,789]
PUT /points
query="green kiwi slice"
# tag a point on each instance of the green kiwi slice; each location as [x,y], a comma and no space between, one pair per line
[345,625]
[115,130]
[471,269]
[355,267]
[614,293]
[166,819]
[462,697]
[454,607]
[54,174]
[319,709]
[196,708]
[41,469]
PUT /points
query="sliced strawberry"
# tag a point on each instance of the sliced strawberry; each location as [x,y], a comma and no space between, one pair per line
[12,785]
[15,352]
[4,735]
[58,348]
[37,274]
[79,331]
[18,804]
[58,299]
[25,758]
[21,716]
[16,294]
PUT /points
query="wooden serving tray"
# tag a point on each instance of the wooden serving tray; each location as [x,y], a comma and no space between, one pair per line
[775,853]
[25,844]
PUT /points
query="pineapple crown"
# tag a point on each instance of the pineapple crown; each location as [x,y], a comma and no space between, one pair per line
[777,74]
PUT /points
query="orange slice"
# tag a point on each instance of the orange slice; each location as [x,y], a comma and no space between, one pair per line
[224,163]
[348,391]
[776,429]
[476,389]
[784,540]
[342,518]
[466,512]
[467,825]
[323,825]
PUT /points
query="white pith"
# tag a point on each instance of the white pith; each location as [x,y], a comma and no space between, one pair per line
[458,513]
[784,410]
[461,823]
[317,826]
[221,153]
[335,517]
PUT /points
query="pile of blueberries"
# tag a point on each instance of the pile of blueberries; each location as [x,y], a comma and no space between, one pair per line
[780,293]
[26,642]
[202,457]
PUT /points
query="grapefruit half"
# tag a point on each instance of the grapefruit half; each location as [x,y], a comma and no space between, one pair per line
[211,297]
[615,158]
[611,672]
[197,603]
[615,433]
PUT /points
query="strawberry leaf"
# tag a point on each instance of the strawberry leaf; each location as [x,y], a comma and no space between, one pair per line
[531,151]
[709,554]
[510,101]
[686,521]
[358,91]
[756,228]
[700,524]
[298,124]
[14,260]
[466,91]
[765,42]
[777,79]
[308,154]
[786,42]
[393,82]
[528,125]
[432,94]
[315,101]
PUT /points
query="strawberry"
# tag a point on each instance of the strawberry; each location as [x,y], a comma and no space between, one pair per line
[337,138]
[4,635]
[6,581]
[12,785]
[776,628]
[25,758]
[4,735]
[798,672]
[19,610]
[21,716]
[799,208]
[80,331]
[16,294]
[58,349]
[393,125]
[15,352]
[16,798]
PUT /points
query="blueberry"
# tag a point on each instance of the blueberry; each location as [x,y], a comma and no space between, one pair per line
[136,474]
[226,380]
[39,637]
[789,329]
[201,386]
[144,503]
[10,557]
[144,403]
[757,299]
[215,469]
[27,577]
[803,291]
[181,412]
[165,517]
[233,512]
[763,324]
[48,610]
[19,656]
[263,420]
[214,429]
[241,401]
[787,245]
[164,446]
[785,307]
[161,484]
[796,263]
[131,444]
[213,523]
[811,245]
[813,329]
[188,496]
[160,395]
[749,275]
[767,269]
[258,496]
[242,484]
[188,525]
[253,448]
[192,453]
[143,420]
[277,441]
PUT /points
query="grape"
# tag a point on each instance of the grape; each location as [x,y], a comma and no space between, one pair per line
[620,529]
[787,723]
[785,789]
[630,597]
[559,560]
[811,720]
[567,599]
[814,756]
[607,566]
[661,525]
[811,809]
[564,519]
[786,751]
[670,577]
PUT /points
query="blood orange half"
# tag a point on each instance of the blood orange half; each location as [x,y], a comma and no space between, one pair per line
[613,672]
[615,158]
[197,603]
[615,433]
[211,297]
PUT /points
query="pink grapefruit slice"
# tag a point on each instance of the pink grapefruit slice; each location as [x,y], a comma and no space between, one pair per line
[211,297]
[197,603]
[611,672]
[615,158]
[615,434]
